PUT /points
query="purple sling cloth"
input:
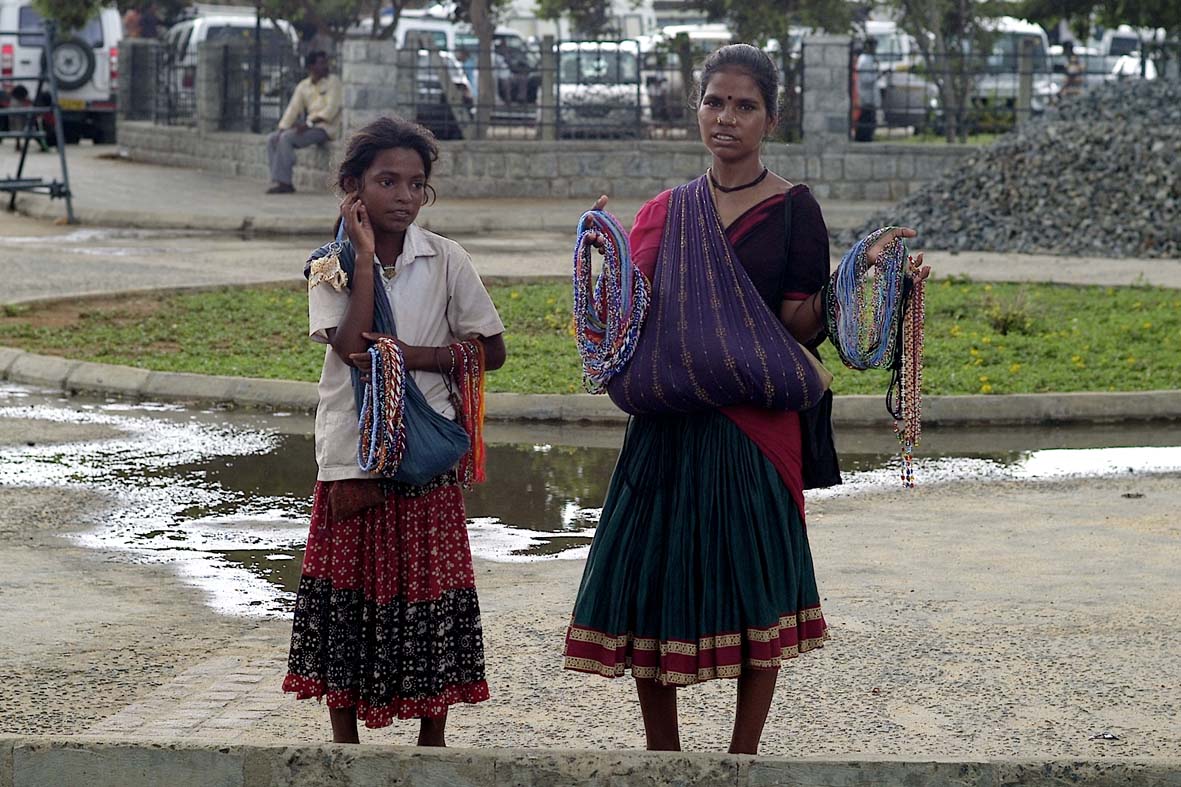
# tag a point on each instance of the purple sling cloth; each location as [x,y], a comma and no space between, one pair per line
[709,340]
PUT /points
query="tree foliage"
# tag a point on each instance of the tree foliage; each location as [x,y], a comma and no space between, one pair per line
[755,21]
[590,18]
[68,14]
[334,17]
[1082,14]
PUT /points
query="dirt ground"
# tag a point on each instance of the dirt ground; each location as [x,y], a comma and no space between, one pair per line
[1013,618]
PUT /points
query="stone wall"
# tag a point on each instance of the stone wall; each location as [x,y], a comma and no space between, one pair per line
[575,168]
[377,81]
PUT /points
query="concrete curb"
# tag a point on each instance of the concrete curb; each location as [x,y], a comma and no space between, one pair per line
[50,762]
[849,411]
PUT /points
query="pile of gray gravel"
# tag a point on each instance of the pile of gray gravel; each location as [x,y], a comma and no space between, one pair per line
[1099,177]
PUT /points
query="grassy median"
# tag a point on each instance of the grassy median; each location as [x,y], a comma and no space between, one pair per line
[981,338]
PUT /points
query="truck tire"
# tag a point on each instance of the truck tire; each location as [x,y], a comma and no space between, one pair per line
[73,63]
[104,129]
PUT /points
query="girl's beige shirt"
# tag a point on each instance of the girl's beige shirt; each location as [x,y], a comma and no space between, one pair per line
[437,298]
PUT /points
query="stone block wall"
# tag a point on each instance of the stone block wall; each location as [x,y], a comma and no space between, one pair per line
[528,169]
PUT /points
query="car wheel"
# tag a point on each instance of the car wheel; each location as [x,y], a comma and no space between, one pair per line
[73,63]
[104,129]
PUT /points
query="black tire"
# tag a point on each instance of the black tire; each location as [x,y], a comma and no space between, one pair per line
[104,129]
[73,63]
[72,133]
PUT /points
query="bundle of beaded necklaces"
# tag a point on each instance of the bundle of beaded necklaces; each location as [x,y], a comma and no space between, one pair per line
[382,438]
[875,321]
[467,369]
[607,319]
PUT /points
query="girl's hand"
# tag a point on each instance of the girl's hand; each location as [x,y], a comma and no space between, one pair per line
[356,222]
[361,360]
[594,238]
[885,240]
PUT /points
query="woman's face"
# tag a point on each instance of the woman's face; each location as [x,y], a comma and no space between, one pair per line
[393,189]
[732,116]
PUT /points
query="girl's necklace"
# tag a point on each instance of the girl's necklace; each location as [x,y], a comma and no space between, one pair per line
[728,189]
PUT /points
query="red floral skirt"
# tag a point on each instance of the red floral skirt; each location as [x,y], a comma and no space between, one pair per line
[386,616]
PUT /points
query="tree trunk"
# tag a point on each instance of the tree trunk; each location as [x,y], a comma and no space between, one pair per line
[486,89]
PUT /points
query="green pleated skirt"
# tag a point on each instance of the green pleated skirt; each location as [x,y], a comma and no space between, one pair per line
[700,566]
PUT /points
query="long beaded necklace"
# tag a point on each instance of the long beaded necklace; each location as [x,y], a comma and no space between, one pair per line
[877,320]
[608,316]
[382,438]
[467,368]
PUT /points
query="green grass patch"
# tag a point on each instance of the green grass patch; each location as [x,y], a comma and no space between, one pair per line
[980,338]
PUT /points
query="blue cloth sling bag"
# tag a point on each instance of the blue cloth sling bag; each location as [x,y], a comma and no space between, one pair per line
[434,443]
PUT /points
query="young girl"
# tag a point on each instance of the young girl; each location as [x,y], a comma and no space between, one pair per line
[387,623]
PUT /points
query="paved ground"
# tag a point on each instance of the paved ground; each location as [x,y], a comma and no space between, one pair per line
[1010,619]
[110,191]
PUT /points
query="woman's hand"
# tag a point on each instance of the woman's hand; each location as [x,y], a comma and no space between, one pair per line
[594,238]
[356,223]
[887,239]
[921,272]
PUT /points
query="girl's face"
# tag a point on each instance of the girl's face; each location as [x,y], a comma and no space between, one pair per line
[732,116]
[393,189]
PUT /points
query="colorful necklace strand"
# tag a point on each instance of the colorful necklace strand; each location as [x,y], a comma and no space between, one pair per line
[382,438]
[877,320]
[468,399]
[609,316]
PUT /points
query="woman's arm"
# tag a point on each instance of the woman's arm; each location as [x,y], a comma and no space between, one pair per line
[804,319]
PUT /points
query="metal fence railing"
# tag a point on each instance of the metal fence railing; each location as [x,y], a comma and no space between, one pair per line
[175,96]
[256,86]
[895,94]
[575,90]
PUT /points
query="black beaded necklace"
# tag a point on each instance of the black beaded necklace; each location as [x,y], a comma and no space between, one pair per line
[728,189]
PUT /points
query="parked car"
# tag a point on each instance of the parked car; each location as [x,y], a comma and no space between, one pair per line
[85,63]
[996,90]
[433,107]
[662,71]
[281,70]
[907,98]
[599,90]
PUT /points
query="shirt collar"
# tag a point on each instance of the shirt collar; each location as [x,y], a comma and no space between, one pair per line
[414,246]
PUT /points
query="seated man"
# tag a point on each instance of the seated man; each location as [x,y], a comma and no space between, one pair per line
[312,118]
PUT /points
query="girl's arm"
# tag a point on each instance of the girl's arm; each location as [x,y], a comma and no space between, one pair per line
[434,359]
[347,339]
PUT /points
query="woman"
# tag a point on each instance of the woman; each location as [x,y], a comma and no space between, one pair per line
[700,566]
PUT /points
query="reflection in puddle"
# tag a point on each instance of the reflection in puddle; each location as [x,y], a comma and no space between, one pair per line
[225,496]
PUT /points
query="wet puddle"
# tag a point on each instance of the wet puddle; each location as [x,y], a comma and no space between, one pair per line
[224,496]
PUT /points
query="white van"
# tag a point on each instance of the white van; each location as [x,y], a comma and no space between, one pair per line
[85,63]
[183,39]
[279,42]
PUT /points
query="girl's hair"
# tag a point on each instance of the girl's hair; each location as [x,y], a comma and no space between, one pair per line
[383,134]
[751,60]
